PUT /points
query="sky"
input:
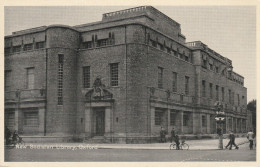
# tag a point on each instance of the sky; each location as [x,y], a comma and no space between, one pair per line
[228,30]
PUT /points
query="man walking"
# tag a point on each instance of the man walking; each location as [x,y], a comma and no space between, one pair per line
[231,141]
[250,137]
[172,134]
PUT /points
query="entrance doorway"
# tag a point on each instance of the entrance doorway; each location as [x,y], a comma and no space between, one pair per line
[100,122]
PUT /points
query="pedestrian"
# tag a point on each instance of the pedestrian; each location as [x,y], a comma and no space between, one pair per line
[231,141]
[250,136]
[15,137]
[7,135]
[163,135]
[172,134]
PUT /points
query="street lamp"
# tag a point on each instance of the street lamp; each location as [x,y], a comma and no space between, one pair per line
[220,119]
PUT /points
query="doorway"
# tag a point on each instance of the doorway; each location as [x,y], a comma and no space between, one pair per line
[100,122]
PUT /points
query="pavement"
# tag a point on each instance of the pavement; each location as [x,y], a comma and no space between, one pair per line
[205,144]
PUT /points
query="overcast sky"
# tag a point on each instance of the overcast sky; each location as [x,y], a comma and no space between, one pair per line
[229,30]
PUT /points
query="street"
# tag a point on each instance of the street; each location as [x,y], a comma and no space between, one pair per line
[88,155]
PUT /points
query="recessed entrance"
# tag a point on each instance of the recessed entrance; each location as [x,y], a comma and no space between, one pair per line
[100,122]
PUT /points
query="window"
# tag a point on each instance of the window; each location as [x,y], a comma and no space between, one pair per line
[217,71]
[172,118]
[114,74]
[211,90]
[154,43]
[187,58]
[87,45]
[7,51]
[9,119]
[28,47]
[204,121]
[102,42]
[233,98]
[223,93]
[30,78]
[210,66]
[203,88]
[175,53]
[161,46]
[185,119]
[168,50]
[174,82]
[86,77]
[158,117]
[7,80]
[204,63]
[40,45]
[229,96]
[60,79]
[186,85]
[238,99]
[17,49]
[160,77]
[217,95]
[31,119]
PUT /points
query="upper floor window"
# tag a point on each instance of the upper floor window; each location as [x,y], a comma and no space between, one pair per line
[17,49]
[217,95]
[211,90]
[87,45]
[203,88]
[30,78]
[28,47]
[114,74]
[211,66]
[229,96]
[187,85]
[174,82]
[102,42]
[40,45]
[238,99]
[7,50]
[217,70]
[60,78]
[86,77]
[160,77]
[7,80]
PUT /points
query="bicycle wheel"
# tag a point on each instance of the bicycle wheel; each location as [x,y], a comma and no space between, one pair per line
[172,146]
[185,146]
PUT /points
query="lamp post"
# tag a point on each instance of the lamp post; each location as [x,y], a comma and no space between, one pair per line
[220,118]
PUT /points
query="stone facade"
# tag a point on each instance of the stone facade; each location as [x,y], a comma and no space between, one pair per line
[123,78]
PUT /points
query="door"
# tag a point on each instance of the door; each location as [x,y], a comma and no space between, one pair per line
[100,122]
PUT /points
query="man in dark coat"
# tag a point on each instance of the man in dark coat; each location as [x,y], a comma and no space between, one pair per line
[172,134]
[231,141]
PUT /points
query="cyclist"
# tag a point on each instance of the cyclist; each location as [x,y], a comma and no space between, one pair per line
[15,137]
[177,141]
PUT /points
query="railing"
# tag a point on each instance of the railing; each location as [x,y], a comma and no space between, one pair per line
[111,14]
[22,95]
[169,96]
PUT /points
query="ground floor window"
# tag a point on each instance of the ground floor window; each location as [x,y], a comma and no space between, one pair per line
[31,119]
[204,120]
[9,120]
[158,117]
[185,119]
[172,117]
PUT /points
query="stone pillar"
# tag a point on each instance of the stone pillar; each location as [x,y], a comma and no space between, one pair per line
[208,123]
[16,119]
[41,120]
[169,119]
[232,120]
[88,121]
[107,120]
[152,119]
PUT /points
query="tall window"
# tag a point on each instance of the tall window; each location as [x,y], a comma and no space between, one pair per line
[203,88]
[114,74]
[28,47]
[7,80]
[185,119]
[40,45]
[86,77]
[238,99]
[31,119]
[160,77]
[60,79]
[204,121]
[158,117]
[172,118]
[211,90]
[186,85]
[17,49]
[217,95]
[174,82]
[229,96]
[223,93]
[30,78]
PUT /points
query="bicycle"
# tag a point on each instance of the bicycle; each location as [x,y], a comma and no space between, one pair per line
[12,143]
[182,146]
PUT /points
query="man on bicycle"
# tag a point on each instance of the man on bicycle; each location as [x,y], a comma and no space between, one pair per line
[177,141]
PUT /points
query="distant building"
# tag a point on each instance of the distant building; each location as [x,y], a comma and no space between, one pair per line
[124,78]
